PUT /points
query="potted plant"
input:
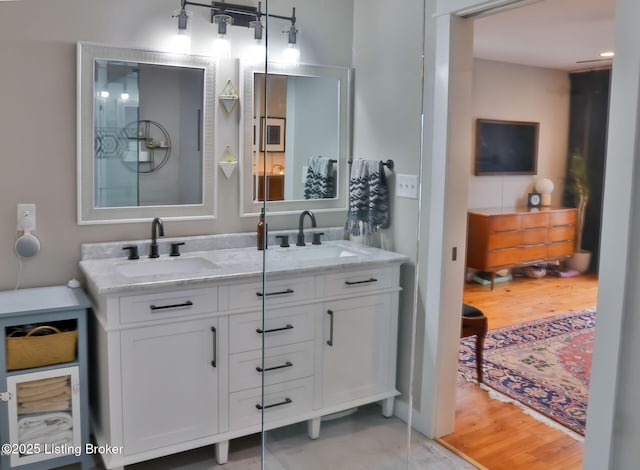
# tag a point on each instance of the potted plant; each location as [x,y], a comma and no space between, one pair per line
[579,188]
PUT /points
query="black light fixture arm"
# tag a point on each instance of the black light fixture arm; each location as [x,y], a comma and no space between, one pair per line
[241,14]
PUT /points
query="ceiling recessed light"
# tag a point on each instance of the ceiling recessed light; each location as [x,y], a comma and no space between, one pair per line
[607,54]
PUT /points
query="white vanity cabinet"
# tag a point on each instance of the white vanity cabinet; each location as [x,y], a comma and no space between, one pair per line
[358,349]
[160,403]
[182,365]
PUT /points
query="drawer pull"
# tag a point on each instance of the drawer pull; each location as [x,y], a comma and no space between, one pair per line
[285,402]
[273,330]
[330,340]
[286,364]
[188,303]
[352,283]
[282,292]
[215,346]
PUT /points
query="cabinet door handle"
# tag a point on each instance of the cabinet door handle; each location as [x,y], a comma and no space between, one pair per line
[285,402]
[353,283]
[282,292]
[188,303]
[215,346]
[330,340]
[273,330]
[286,364]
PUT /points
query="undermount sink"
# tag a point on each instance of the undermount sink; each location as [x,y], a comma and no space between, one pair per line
[154,267]
[319,252]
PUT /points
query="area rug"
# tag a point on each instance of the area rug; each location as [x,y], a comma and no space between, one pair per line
[544,365]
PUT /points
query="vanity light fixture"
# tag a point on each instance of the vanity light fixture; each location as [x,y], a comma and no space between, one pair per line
[182,39]
[224,14]
[221,45]
[291,54]
[607,54]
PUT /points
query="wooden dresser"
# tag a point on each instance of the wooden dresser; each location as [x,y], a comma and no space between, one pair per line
[511,237]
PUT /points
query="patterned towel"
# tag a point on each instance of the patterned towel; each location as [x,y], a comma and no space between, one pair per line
[368,198]
[318,183]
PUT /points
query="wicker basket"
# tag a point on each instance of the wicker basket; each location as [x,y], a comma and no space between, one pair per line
[29,351]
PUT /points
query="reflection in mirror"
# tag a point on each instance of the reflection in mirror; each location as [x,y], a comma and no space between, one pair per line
[294,138]
[146,135]
[290,133]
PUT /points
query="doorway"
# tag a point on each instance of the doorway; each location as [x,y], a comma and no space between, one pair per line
[452,23]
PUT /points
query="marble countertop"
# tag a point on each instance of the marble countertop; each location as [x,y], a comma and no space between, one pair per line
[119,275]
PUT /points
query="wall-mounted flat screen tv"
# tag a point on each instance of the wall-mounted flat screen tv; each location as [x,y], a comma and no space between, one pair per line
[506,147]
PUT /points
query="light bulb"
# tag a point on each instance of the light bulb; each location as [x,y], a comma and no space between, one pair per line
[124,96]
[104,94]
[221,48]
[182,42]
[291,54]
[256,53]
[182,39]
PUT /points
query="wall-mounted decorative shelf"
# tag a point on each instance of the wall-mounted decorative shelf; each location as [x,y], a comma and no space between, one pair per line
[229,97]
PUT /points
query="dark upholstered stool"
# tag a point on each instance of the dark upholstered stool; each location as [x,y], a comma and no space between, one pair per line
[474,322]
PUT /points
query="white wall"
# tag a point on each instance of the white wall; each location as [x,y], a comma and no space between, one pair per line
[38,115]
[512,92]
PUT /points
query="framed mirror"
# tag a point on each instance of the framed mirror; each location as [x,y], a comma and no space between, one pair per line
[294,137]
[145,135]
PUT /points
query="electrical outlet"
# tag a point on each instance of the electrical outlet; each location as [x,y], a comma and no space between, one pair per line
[407,186]
[25,210]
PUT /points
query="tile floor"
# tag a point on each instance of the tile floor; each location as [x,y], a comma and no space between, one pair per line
[361,441]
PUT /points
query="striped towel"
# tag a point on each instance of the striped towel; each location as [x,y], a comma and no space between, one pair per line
[318,183]
[368,198]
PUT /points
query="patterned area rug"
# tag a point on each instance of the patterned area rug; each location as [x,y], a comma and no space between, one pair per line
[544,365]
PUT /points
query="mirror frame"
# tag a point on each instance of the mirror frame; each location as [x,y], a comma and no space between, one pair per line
[87,53]
[249,207]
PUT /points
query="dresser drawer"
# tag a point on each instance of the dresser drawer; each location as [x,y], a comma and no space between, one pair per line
[504,239]
[275,292]
[529,254]
[562,233]
[503,223]
[534,220]
[280,401]
[282,326]
[560,249]
[534,236]
[523,254]
[162,305]
[352,282]
[281,364]
[563,217]
[497,258]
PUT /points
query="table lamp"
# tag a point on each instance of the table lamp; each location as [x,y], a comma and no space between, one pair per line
[544,186]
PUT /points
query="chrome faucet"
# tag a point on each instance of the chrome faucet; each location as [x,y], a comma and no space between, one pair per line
[157,228]
[300,240]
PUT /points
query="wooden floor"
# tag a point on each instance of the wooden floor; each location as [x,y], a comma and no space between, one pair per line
[499,435]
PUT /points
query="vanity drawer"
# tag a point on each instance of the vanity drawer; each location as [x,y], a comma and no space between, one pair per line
[282,326]
[161,305]
[281,401]
[275,292]
[281,364]
[363,280]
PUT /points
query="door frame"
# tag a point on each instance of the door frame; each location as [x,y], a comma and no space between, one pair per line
[619,272]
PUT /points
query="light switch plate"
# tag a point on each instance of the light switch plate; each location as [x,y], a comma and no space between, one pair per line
[407,186]
[25,210]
